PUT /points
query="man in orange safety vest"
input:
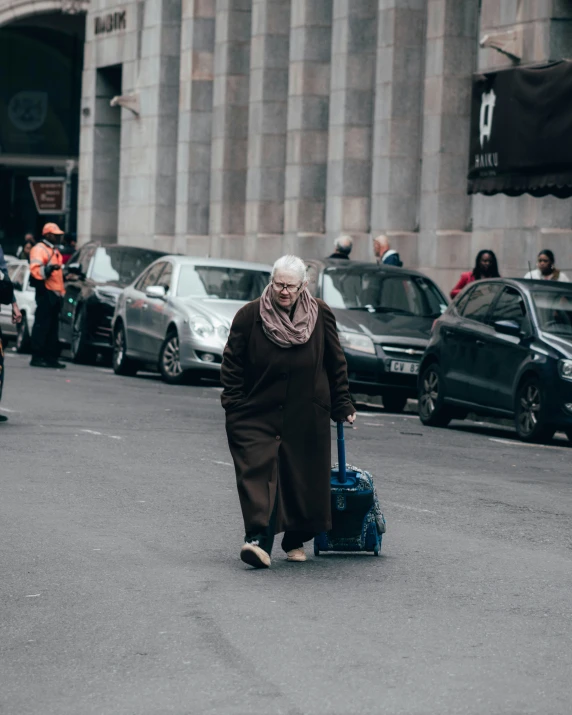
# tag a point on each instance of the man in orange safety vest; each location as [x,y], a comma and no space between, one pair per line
[46,277]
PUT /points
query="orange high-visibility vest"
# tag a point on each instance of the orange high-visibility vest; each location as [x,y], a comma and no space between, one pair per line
[40,256]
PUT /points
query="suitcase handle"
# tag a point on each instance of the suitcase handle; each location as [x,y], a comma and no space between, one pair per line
[342,476]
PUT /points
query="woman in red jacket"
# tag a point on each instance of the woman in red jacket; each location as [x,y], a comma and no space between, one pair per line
[486,266]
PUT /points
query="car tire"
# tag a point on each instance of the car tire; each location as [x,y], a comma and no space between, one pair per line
[122,365]
[23,336]
[394,402]
[80,350]
[529,412]
[169,360]
[432,409]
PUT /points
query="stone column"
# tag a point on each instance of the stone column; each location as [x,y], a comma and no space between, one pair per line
[307,141]
[230,127]
[445,205]
[269,61]
[195,126]
[100,134]
[351,120]
[398,124]
[149,139]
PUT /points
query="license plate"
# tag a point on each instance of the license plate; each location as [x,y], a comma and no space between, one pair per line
[409,368]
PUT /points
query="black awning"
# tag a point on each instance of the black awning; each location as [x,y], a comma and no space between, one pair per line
[521,131]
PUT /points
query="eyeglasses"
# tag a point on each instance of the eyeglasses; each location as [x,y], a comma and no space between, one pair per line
[279,287]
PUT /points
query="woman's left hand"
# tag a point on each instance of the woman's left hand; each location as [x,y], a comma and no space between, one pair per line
[351,418]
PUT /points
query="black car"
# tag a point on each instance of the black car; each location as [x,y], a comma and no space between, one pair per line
[94,278]
[503,348]
[384,316]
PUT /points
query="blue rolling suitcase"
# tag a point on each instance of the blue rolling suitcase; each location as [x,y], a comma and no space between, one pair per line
[357,521]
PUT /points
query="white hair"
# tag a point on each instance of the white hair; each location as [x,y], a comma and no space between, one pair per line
[292,264]
[344,244]
[382,240]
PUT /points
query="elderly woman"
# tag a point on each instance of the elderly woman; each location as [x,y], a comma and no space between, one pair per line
[284,376]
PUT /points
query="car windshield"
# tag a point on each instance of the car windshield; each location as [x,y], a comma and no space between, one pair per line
[223,283]
[380,292]
[120,265]
[554,311]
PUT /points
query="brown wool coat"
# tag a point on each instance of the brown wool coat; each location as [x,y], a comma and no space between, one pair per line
[278,404]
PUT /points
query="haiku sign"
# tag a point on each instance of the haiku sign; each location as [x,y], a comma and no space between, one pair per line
[49,194]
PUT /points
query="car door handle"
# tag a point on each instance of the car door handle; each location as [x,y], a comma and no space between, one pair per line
[129,301]
[480,343]
[145,306]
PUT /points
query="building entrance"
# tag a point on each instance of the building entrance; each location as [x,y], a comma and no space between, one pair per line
[39,116]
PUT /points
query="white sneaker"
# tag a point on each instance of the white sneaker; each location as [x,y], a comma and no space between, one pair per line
[253,555]
[296,555]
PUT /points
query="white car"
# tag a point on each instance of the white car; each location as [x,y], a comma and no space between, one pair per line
[176,316]
[19,272]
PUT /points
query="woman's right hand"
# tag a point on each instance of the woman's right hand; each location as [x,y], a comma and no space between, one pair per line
[351,418]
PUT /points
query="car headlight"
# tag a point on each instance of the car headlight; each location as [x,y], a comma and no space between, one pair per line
[565,369]
[201,326]
[357,341]
[106,296]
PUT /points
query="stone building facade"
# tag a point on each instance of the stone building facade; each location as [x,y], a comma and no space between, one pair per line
[251,128]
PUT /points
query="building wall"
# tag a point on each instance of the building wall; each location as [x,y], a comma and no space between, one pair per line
[266,126]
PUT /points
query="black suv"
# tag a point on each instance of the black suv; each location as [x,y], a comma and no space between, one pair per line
[503,348]
[94,278]
[384,316]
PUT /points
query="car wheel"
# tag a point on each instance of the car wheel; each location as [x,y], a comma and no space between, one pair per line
[394,401]
[122,365]
[23,336]
[170,360]
[432,410]
[79,345]
[529,418]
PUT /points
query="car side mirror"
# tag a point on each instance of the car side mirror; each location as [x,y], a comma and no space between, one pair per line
[156,292]
[508,327]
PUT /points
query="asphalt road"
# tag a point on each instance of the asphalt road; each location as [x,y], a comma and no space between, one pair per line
[121,590]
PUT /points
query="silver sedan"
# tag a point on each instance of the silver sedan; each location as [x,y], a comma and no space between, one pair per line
[176,315]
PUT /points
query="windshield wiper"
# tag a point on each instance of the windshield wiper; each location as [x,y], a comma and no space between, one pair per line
[381,309]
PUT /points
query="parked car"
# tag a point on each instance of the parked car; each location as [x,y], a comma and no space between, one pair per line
[504,348]
[19,273]
[176,316]
[94,277]
[384,316]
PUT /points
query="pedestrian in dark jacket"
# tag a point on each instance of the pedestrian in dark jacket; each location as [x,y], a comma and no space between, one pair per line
[384,253]
[284,376]
[342,247]
[486,266]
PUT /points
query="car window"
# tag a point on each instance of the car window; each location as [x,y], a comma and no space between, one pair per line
[153,275]
[376,291]
[120,264]
[166,276]
[312,274]
[479,301]
[142,278]
[554,311]
[510,306]
[83,258]
[13,269]
[220,282]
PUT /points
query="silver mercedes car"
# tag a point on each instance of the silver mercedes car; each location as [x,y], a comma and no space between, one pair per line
[176,315]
